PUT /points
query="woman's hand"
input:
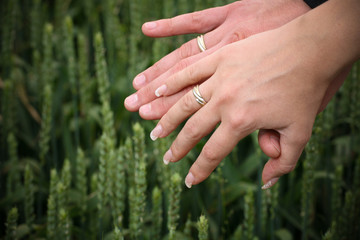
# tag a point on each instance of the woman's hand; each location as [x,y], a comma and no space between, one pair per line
[263,82]
[222,25]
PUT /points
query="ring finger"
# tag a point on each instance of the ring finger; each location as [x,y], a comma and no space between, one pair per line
[184,108]
[188,49]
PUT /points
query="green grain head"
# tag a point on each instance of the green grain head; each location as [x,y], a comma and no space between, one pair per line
[11,224]
[29,196]
[203,228]
[174,204]
[157,212]
[249,215]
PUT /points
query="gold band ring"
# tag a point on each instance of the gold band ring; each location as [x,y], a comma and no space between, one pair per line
[201,43]
[198,96]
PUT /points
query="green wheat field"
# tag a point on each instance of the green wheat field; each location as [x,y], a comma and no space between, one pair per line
[74,164]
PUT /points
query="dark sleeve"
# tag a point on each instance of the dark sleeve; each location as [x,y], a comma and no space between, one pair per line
[314,3]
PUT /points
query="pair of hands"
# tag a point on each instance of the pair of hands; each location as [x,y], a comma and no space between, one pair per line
[249,83]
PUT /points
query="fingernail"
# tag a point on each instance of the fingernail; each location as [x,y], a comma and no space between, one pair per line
[150,25]
[275,142]
[145,109]
[140,80]
[155,133]
[131,100]
[161,90]
[167,157]
[270,183]
[189,180]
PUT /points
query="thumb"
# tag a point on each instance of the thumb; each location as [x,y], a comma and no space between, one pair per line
[292,146]
[269,142]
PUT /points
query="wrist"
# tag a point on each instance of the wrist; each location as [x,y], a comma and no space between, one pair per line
[330,34]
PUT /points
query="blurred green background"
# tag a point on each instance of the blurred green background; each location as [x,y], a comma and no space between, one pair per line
[76,165]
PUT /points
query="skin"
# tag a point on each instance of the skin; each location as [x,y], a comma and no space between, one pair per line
[224,25]
[259,88]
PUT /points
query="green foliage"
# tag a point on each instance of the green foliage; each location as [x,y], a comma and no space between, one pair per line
[83,73]
[118,186]
[174,204]
[47,95]
[52,206]
[11,224]
[13,179]
[157,212]
[139,196]
[64,225]
[80,180]
[249,215]
[29,196]
[86,169]
[203,227]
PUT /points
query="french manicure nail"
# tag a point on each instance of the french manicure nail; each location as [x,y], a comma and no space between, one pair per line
[140,80]
[155,133]
[189,180]
[167,157]
[131,100]
[150,25]
[275,142]
[270,183]
[145,109]
[161,90]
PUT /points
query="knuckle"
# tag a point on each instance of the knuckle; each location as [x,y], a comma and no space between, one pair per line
[185,50]
[209,154]
[192,130]
[157,67]
[175,150]
[240,121]
[236,36]
[199,171]
[223,99]
[190,74]
[188,103]
[302,139]
[171,24]
[286,168]
[196,20]
[181,65]
[237,122]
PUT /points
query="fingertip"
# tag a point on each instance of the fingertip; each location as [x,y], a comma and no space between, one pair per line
[150,25]
[270,183]
[189,180]
[139,81]
[131,102]
[270,171]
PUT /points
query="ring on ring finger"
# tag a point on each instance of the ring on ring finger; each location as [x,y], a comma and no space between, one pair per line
[198,96]
[201,43]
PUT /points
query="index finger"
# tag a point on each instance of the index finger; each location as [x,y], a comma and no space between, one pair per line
[196,22]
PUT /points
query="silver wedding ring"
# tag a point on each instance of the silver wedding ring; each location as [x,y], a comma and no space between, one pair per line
[201,43]
[198,96]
